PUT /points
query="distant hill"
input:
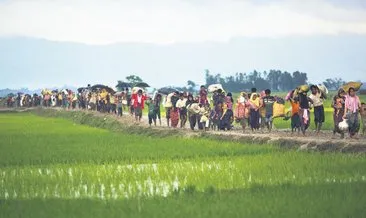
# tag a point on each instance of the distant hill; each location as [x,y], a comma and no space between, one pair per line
[5,92]
[29,62]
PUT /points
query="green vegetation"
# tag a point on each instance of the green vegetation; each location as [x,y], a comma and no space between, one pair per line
[53,167]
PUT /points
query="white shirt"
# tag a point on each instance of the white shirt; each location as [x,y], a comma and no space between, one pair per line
[181,103]
[317,100]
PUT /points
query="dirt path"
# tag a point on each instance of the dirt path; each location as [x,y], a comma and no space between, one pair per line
[325,141]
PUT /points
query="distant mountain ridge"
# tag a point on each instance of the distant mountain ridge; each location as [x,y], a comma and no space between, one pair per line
[29,62]
[5,92]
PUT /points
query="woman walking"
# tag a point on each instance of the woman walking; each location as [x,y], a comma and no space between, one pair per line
[254,111]
[241,110]
[352,109]
[338,105]
[181,105]
[304,111]
[157,103]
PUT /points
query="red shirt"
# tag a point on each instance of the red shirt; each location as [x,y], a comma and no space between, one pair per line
[138,100]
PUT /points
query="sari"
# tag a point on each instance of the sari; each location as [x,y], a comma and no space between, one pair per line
[174,117]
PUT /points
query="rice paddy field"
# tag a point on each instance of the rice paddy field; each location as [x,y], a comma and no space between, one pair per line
[54,167]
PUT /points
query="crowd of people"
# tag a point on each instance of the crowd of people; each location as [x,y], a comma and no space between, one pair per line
[212,108]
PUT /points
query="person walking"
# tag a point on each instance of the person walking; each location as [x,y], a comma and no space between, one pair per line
[138,104]
[319,115]
[352,109]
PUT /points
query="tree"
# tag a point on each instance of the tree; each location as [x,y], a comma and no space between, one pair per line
[299,78]
[133,79]
[273,77]
[286,81]
[191,86]
[210,79]
[334,84]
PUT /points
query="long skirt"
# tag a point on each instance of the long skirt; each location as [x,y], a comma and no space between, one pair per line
[254,119]
[319,116]
[168,112]
[337,118]
[183,117]
[192,120]
[304,124]
[174,117]
[353,123]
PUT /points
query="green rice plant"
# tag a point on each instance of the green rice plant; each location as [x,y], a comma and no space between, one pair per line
[57,167]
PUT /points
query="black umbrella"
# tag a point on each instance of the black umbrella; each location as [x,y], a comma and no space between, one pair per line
[167,90]
[123,85]
[11,95]
[142,85]
[100,87]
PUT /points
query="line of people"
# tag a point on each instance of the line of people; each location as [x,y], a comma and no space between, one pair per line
[256,110]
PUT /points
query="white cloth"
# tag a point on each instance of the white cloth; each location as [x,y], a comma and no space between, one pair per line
[168,101]
[139,99]
[241,100]
[181,103]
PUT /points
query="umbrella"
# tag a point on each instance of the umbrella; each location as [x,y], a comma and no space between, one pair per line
[215,87]
[142,85]
[167,90]
[11,95]
[99,86]
[81,89]
[123,85]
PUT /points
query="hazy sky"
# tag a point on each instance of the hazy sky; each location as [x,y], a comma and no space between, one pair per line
[169,21]
[173,22]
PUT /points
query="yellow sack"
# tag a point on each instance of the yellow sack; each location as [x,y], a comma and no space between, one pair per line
[103,94]
[278,110]
[355,85]
[304,88]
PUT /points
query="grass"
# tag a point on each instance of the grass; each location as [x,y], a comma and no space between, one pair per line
[53,167]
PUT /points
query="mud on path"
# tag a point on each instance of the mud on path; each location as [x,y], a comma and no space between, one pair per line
[325,141]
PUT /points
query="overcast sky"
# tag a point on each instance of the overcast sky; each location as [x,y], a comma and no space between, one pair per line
[169,21]
[101,22]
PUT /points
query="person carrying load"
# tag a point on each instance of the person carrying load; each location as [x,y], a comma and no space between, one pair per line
[268,102]
[317,98]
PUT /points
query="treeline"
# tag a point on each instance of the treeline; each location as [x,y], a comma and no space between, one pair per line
[276,80]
